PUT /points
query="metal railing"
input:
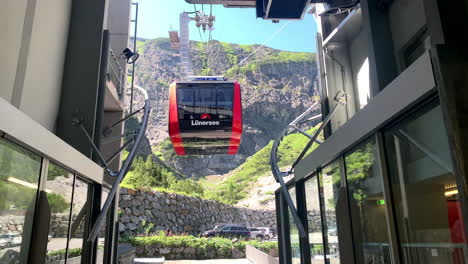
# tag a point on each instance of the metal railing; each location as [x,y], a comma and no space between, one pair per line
[115,73]
[294,127]
[455,253]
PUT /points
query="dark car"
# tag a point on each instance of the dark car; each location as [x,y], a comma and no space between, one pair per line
[238,231]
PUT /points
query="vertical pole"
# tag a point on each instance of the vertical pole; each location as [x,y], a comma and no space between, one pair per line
[302,212]
[134,50]
[395,253]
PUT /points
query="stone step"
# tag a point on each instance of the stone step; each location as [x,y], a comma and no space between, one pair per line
[149,260]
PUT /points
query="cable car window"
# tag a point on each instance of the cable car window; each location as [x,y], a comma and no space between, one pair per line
[205,101]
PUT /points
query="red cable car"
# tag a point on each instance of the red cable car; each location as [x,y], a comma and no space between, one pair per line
[205,116]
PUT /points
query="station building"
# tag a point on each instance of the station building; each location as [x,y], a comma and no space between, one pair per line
[60,67]
[389,183]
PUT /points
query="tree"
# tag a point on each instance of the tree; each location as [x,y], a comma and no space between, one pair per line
[188,186]
[148,174]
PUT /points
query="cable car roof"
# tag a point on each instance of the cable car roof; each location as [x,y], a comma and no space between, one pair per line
[205,78]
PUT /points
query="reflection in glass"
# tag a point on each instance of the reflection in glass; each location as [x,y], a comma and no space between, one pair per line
[425,193]
[367,205]
[59,188]
[19,178]
[314,223]
[80,212]
[330,183]
[294,232]
[102,233]
[214,100]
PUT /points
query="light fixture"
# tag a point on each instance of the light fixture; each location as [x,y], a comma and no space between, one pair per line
[130,55]
[450,189]
[451,192]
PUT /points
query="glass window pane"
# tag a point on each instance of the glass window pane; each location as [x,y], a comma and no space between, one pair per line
[330,182]
[314,221]
[80,213]
[102,234]
[427,206]
[59,188]
[367,205]
[294,232]
[194,102]
[19,178]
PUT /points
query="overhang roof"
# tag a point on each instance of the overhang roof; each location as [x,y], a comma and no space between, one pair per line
[266,9]
[226,3]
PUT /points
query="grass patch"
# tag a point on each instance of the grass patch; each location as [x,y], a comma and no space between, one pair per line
[266,199]
[236,187]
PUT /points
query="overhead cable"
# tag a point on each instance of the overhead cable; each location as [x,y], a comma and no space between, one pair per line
[265,42]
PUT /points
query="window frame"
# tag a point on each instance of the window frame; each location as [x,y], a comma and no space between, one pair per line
[429,101]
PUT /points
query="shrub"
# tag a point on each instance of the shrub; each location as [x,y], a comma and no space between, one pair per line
[148,174]
[57,203]
[188,186]
[221,246]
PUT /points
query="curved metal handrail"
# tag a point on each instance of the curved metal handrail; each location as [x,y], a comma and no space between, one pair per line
[293,127]
[123,171]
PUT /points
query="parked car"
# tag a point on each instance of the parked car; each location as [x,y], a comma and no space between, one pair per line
[239,231]
[256,233]
[332,231]
[10,240]
[268,233]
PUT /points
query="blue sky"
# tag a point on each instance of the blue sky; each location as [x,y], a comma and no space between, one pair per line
[232,25]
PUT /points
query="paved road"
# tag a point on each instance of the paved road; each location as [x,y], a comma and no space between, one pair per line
[210,261]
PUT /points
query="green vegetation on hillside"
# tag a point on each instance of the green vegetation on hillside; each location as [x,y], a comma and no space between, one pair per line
[235,188]
[205,69]
[147,174]
[237,185]
[279,57]
[140,46]
[230,53]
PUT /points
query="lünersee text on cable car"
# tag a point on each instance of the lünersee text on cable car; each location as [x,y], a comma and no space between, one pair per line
[205,116]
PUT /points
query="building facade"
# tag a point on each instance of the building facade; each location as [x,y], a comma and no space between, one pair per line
[61,76]
[389,183]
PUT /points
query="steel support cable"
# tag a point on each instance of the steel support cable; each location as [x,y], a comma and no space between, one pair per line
[340,101]
[278,174]
[124,146]
[265,42]
[108,130]
[112,139]
[123,171]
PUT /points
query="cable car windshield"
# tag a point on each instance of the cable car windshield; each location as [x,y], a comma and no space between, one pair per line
[207,101]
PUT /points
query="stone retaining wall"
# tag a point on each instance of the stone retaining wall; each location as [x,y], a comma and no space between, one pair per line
[58,225]
[142,212]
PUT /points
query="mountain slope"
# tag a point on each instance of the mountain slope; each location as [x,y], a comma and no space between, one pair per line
[238,184]
[276,87]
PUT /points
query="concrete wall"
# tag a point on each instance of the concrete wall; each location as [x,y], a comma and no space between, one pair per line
[335,84]
[12,16]
[406,18]
[359,54]
[43,76]
[35,39]
[258,257]
[118,23]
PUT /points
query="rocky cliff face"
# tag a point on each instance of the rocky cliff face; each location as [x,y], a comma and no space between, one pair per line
[276,87]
